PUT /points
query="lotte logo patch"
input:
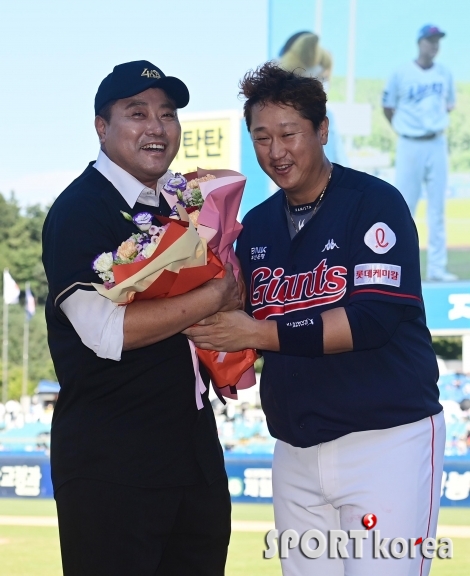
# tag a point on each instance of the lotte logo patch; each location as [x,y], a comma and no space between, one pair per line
[369,521]
[380,238]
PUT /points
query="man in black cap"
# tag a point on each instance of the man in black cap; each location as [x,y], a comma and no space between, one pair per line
[137,469]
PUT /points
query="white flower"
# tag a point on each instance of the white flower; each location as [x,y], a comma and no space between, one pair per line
[107,276]
[149,250]
[104,262]
[178,182]
[143,221]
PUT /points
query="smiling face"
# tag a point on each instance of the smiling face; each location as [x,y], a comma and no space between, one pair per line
[288,148]
[142,136]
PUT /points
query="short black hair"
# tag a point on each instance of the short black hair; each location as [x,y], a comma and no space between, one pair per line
[271,84]
[105,111]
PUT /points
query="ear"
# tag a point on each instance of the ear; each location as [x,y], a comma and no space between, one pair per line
[323,130]
[100,127]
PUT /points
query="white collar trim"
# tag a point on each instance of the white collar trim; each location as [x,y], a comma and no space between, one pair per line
[129,187]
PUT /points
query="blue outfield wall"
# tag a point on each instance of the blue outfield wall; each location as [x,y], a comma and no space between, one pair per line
[24,474]
[29,476]
[447,305]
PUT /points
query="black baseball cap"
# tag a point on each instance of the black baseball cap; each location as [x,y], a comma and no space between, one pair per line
[131,78]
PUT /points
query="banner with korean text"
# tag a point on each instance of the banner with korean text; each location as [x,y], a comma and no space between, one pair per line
[209,140]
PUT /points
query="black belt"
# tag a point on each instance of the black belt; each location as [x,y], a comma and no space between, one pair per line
[424,137]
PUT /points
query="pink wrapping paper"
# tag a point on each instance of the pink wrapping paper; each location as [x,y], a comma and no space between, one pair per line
[218,224]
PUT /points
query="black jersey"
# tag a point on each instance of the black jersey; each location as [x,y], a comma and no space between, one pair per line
[360,245]
[134,422]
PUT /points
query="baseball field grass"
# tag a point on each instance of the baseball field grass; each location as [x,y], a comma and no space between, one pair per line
[457,222]
[458,236]
[34,550]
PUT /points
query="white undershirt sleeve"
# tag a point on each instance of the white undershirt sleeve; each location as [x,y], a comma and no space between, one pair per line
[98,321]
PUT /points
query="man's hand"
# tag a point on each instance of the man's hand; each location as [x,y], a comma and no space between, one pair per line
[242,289]
[227,291]
[233,331]
[149,321]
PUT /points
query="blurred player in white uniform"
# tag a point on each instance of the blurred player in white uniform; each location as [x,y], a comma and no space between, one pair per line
[417,101]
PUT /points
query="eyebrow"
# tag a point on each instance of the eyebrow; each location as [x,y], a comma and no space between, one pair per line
[136,103]
[283,125]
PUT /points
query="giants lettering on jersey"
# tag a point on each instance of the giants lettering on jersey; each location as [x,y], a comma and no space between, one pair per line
[273,293]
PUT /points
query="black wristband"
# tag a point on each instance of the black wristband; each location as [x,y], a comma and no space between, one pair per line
[301,337]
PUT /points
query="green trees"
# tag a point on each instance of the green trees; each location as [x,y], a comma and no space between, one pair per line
[20,252]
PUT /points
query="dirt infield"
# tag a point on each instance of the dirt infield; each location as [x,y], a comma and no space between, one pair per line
[28,521]
[237,525]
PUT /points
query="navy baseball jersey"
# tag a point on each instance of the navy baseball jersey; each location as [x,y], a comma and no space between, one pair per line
[360,245]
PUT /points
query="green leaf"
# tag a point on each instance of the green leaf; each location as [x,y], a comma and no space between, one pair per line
[126,215]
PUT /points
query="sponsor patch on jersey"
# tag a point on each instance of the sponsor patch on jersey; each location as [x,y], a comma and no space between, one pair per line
[380,238]
[377,274]
[259,252]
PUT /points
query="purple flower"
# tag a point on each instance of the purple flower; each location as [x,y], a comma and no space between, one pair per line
[178,182]
[154,230]
[174,210]
[187,195]
[143,221]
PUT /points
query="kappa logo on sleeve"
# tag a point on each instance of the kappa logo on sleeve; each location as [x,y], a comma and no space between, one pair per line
[380,238]
[259,252]
[377,274]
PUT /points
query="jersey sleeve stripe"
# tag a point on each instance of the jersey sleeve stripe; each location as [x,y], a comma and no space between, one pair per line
[89,286]
[386,293]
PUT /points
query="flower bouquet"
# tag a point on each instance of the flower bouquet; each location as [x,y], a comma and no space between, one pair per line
[212,200]
[158,262]
[173,258]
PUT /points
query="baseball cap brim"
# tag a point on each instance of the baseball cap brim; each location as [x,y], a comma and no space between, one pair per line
[436,35]
[430,31]
[174,87]
[132,78]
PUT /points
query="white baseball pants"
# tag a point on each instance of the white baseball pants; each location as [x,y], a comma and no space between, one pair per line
[425,161]
[394,473]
